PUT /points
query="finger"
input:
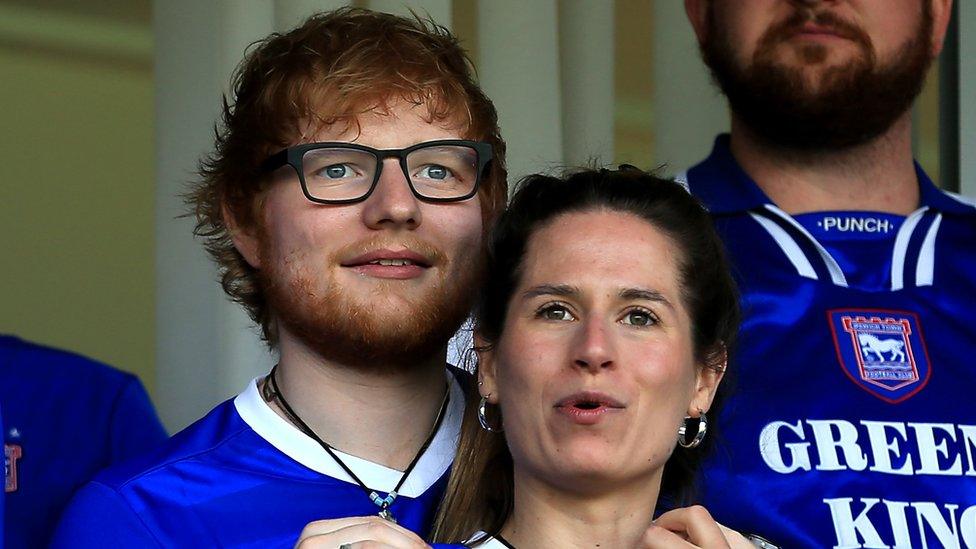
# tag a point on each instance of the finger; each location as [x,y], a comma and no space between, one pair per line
[326,526]
[367,545]
[696,524]
[366,530]
[656,537]
[354,545]
[734,539]
[331,525]
[347,539]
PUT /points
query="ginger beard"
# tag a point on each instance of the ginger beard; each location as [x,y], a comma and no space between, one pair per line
[385,333]
[853,103]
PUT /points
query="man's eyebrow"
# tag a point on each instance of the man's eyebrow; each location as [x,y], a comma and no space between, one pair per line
[645,294]
[550,289]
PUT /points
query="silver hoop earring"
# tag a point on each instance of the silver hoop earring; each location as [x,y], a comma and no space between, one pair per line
[483,416]
[699,436]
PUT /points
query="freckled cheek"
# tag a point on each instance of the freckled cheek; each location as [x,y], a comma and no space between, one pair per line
[460,231]
[466,216]
[462,250]
[311,231]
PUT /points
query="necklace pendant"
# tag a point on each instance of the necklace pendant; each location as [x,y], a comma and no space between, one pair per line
[385,514]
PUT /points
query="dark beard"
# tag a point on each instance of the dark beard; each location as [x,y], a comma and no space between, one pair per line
[854,104]
[355,335]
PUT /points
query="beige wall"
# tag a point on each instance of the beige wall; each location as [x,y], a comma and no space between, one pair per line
[76,202]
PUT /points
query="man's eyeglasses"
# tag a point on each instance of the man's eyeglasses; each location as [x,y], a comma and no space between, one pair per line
[448,170]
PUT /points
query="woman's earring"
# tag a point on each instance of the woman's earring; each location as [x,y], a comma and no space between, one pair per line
[483,417]
[699,436]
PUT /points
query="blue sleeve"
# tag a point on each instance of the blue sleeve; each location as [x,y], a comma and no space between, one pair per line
[98,517]
[135,427]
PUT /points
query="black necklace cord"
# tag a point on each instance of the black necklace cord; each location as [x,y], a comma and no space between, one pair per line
[382,503]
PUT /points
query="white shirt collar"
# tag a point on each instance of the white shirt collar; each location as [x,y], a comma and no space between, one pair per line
[489,542]
[297,445]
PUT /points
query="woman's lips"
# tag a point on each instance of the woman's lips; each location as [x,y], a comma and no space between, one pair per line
[588,407]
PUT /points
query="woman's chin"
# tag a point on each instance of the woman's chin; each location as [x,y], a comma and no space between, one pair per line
[597,465]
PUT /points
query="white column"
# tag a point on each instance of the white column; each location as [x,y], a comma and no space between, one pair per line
[439,10]
[205,347]
[291,13]
[967,91]
[688,109]
[519,70]
[241,23]
[586,69]
[241,355]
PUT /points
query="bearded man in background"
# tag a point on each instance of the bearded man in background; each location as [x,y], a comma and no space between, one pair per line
[848,427]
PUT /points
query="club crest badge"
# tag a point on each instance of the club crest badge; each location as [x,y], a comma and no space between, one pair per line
[11,453]
[881,351]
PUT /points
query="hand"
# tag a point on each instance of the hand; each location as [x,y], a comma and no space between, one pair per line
[690,527]
[735,539]
[358,533]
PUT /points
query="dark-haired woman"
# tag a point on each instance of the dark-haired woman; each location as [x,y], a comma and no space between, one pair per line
[602,338]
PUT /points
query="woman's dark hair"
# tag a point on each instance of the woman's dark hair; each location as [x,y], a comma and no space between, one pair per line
[480,492]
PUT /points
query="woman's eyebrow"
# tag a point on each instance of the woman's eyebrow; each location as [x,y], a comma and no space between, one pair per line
[566,290]
[645,294]
[550,289]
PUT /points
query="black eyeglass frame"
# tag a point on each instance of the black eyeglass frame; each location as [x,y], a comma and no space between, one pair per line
[292,156]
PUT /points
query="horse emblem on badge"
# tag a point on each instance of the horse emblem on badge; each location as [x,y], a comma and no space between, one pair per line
[881,351]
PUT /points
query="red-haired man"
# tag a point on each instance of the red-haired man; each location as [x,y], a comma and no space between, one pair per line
[345,203]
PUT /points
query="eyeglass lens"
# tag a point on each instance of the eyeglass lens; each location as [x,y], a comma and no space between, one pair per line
[438,171]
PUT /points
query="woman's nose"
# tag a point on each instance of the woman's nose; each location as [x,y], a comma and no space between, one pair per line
[594,347]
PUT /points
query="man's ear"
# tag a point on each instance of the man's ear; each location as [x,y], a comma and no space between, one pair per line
[246,242]
[941,13]
[707,381]
[487,382]
[697,12]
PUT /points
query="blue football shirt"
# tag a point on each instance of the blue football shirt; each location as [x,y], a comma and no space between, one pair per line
[852,424]
[65,417]
[244,477]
